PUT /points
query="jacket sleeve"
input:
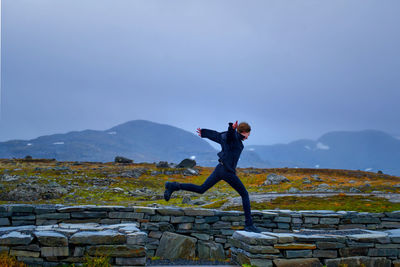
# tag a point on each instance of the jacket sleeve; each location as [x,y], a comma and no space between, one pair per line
[211,134]
[230,134]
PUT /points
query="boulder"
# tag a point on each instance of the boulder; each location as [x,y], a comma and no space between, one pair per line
[186,163]
[209,250]
[119,159]
[176,246]
[163,164]
[275,179]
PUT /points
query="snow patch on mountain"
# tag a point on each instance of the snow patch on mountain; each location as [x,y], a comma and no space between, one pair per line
[58,143]
[322,146]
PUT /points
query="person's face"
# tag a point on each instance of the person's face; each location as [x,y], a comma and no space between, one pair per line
[246,135]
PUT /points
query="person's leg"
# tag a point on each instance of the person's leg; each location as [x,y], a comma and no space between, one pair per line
[235,182]
[208,183]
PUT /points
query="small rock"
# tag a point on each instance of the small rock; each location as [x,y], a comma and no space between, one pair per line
[294,190]
[190,172]
[9,178]
[354,190]
[197,202]
[117,190]
[134,173]
[154,173]
[186,200]
[316,177]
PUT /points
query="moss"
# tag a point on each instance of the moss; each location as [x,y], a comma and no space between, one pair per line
[215,205]
[336,203]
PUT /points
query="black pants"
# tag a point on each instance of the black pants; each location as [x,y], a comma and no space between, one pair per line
[220,173]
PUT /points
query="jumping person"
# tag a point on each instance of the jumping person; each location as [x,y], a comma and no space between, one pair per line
[231,144]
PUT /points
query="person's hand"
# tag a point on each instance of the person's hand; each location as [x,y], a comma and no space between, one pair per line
[234,126]
[199,131]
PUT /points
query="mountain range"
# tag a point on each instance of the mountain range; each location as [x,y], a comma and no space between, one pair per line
[146,141]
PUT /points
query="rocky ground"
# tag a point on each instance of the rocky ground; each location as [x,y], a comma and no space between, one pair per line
[112,183]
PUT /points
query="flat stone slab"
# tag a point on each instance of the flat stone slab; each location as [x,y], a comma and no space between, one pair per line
[282,237]
[304,262]
[98,237]
[15,238]
[254,238]
[51,239]
[295,246]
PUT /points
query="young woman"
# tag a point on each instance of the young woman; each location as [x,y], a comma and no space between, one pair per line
[232,146]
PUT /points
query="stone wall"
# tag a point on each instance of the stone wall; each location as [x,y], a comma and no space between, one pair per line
[52,245]
[207,231]
[315,248]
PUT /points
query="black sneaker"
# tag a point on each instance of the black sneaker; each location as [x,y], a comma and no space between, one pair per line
[252,228]
[169,189]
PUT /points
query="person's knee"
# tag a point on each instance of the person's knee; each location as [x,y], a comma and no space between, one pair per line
[202,190]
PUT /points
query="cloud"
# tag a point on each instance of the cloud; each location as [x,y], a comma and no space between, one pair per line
[58,143]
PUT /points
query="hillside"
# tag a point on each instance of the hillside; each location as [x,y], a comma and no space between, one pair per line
[74,183]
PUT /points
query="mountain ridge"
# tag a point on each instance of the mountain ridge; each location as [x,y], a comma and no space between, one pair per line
[147,141]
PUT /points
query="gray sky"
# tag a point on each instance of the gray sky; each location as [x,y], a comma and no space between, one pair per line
[292,69]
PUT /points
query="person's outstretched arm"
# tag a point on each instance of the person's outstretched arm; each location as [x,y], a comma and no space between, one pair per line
[210,134]
[231,131]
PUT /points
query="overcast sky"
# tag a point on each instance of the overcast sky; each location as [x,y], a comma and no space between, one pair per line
[292,69]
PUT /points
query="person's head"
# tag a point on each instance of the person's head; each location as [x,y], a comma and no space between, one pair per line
[244,129]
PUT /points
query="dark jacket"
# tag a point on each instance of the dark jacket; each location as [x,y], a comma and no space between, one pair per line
[231,144]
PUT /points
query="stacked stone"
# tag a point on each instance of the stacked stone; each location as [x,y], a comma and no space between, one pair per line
[354,248]
[269,220]
[209,229]
[52,245]
[204,231]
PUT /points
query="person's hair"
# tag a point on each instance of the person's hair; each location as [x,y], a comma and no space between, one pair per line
[244,127]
